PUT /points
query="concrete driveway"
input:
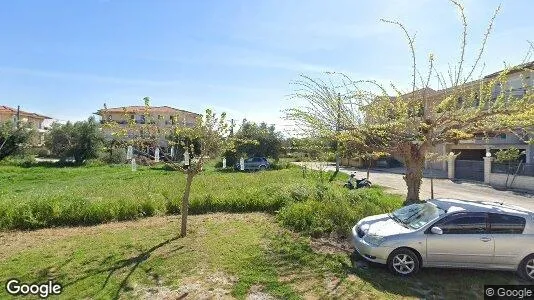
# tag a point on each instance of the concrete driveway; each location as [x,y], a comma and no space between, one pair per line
[443,188]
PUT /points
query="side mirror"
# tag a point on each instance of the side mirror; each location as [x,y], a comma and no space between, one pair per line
[436,230]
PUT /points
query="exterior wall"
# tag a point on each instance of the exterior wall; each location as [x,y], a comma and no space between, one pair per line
[520,182]
[162,119]
[35,122]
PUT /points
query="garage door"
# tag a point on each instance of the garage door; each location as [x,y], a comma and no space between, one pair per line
[469,170]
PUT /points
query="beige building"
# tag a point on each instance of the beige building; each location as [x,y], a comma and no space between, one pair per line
[36,121]
[161,115]
[519,81]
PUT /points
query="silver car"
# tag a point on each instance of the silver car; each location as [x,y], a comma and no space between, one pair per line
[449,233]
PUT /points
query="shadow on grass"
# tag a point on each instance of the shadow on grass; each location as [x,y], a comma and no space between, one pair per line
[333,176]
[351,277]
[131,264]
[50,164]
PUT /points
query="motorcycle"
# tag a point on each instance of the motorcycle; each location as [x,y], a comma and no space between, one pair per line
[360,183]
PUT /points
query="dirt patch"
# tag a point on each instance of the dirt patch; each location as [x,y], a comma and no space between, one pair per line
[331,245]
[256,293]
[214,286]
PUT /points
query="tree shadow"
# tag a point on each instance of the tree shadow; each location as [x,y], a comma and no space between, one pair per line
[299,264]
[131,263]
[49,164]
[430,282]
[333,176]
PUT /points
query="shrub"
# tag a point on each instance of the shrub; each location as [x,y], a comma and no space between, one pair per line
[114,156]
[80,140]
[14,139]
[333,210]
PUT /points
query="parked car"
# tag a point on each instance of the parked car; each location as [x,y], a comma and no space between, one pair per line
[254,164]
[449,233]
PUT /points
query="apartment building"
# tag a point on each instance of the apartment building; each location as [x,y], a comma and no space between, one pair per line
[36,121]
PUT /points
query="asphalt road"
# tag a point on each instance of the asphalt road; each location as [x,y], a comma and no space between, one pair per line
[443,188]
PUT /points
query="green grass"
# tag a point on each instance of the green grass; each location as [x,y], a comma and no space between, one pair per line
[224,255]
[47,196]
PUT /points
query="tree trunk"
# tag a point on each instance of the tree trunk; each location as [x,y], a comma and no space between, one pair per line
[368,168]
[415,162]
[185,203]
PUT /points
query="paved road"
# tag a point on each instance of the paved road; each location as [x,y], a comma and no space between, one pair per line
[444,188]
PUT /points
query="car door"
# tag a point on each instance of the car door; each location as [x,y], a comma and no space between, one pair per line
[507,231]
[465,241]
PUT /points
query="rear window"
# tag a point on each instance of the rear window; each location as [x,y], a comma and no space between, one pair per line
[506,224]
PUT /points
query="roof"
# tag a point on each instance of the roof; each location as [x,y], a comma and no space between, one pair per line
[518,68]
[455,205]
[4,109]
[136,109]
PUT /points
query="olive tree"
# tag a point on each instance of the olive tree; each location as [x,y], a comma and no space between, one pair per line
[14,137]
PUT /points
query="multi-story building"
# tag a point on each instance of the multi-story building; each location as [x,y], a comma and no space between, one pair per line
[36,121]
[161,115]
[519,80]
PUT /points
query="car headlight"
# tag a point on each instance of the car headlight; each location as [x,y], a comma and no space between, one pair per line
[374,240]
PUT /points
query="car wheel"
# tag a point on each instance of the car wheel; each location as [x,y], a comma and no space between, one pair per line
[526,268]
[262,168]
[403,262]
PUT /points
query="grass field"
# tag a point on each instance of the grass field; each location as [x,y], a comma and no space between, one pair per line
[224,256]
[239,255]
[45,196]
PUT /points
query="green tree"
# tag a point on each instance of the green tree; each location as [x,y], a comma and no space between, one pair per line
[81,140]
[207,139]
[412,122]
[323,109]
[254,139]
[14,138]
[508,157]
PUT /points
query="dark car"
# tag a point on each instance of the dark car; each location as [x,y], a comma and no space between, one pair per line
[254,164]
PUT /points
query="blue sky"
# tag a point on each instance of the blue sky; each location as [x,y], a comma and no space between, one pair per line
[67,58]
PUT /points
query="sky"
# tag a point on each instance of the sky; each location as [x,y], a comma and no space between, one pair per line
[65,59]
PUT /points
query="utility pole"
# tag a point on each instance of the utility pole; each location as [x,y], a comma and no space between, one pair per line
[338,128]
[18,116]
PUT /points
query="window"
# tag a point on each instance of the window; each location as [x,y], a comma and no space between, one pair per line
[417,215]
[506,224]
[463,223]
[502,136]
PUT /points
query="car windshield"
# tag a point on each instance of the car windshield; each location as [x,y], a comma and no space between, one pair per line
[417,215]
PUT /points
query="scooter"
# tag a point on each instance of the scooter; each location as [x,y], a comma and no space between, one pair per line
[361,183]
